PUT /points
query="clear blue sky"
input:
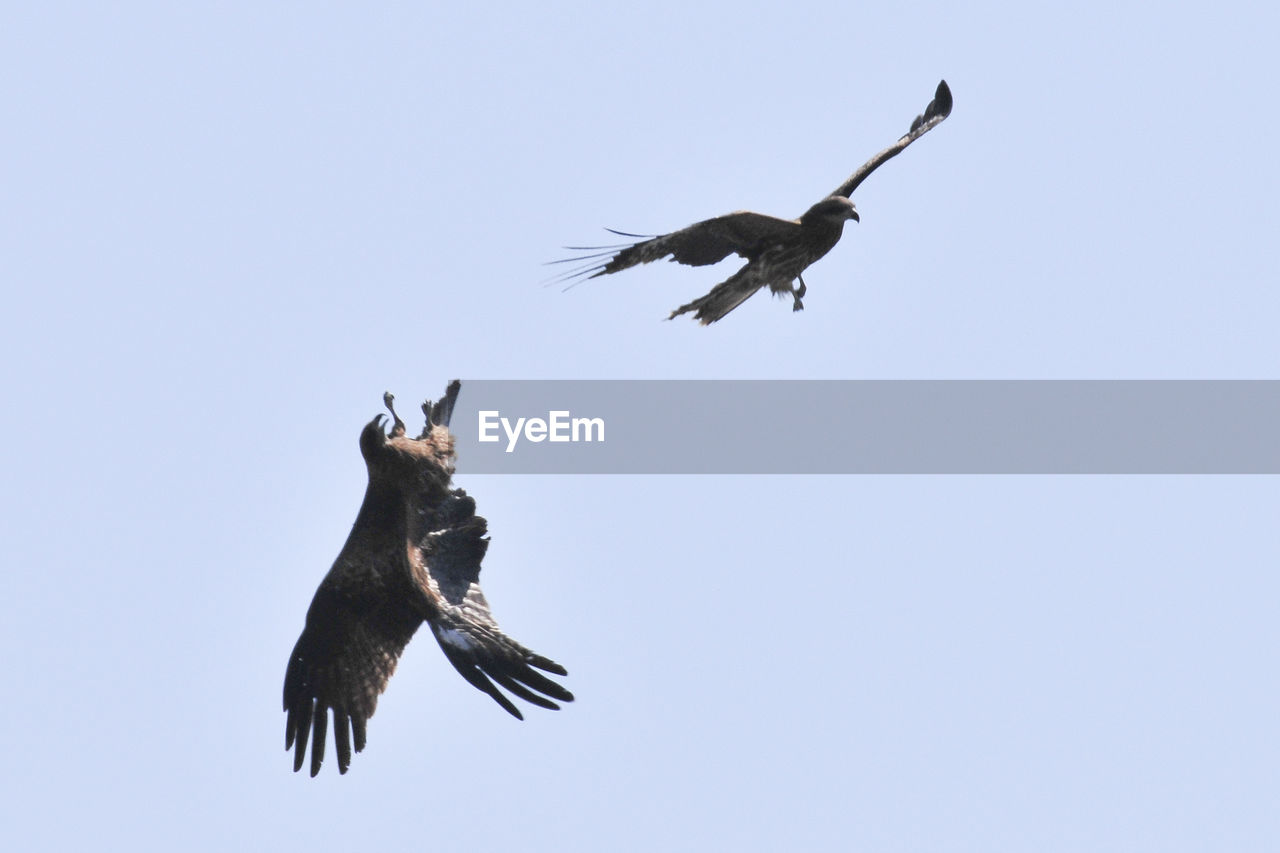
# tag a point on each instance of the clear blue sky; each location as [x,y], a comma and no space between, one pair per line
[226,231]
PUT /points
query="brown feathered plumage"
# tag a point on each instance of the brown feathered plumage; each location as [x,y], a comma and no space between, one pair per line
[413,555]
[777,250]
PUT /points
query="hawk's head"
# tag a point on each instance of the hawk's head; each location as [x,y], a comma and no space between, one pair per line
[833,208]
[398,455]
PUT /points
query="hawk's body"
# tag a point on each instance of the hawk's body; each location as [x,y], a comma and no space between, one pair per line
[777,251]
[413,555]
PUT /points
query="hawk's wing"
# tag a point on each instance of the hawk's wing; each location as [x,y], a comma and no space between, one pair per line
[934,114]
[451,545]
[725,296]
[359,621]
[707,242]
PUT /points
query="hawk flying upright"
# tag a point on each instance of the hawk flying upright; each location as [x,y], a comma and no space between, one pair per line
[413,555]
[777,250]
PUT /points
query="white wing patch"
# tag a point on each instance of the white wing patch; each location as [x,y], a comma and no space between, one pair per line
[453,637]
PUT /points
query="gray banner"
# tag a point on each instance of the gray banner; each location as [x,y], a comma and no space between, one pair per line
[868,427]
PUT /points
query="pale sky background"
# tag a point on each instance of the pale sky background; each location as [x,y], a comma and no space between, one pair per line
[226,230]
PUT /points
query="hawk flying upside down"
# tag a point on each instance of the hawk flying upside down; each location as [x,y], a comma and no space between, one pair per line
[413,556]
[777,250]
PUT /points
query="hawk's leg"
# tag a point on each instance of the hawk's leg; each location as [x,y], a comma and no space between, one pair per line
[388,400]
[797,293]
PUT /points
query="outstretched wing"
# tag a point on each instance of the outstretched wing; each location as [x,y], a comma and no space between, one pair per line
[725,296]
[934,114]
[706,242]
[451,545]
[358,624]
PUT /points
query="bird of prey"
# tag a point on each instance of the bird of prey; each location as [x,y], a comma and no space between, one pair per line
[777,250]
[413,555]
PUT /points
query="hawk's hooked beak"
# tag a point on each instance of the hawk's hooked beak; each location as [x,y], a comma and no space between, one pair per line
[853,214]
